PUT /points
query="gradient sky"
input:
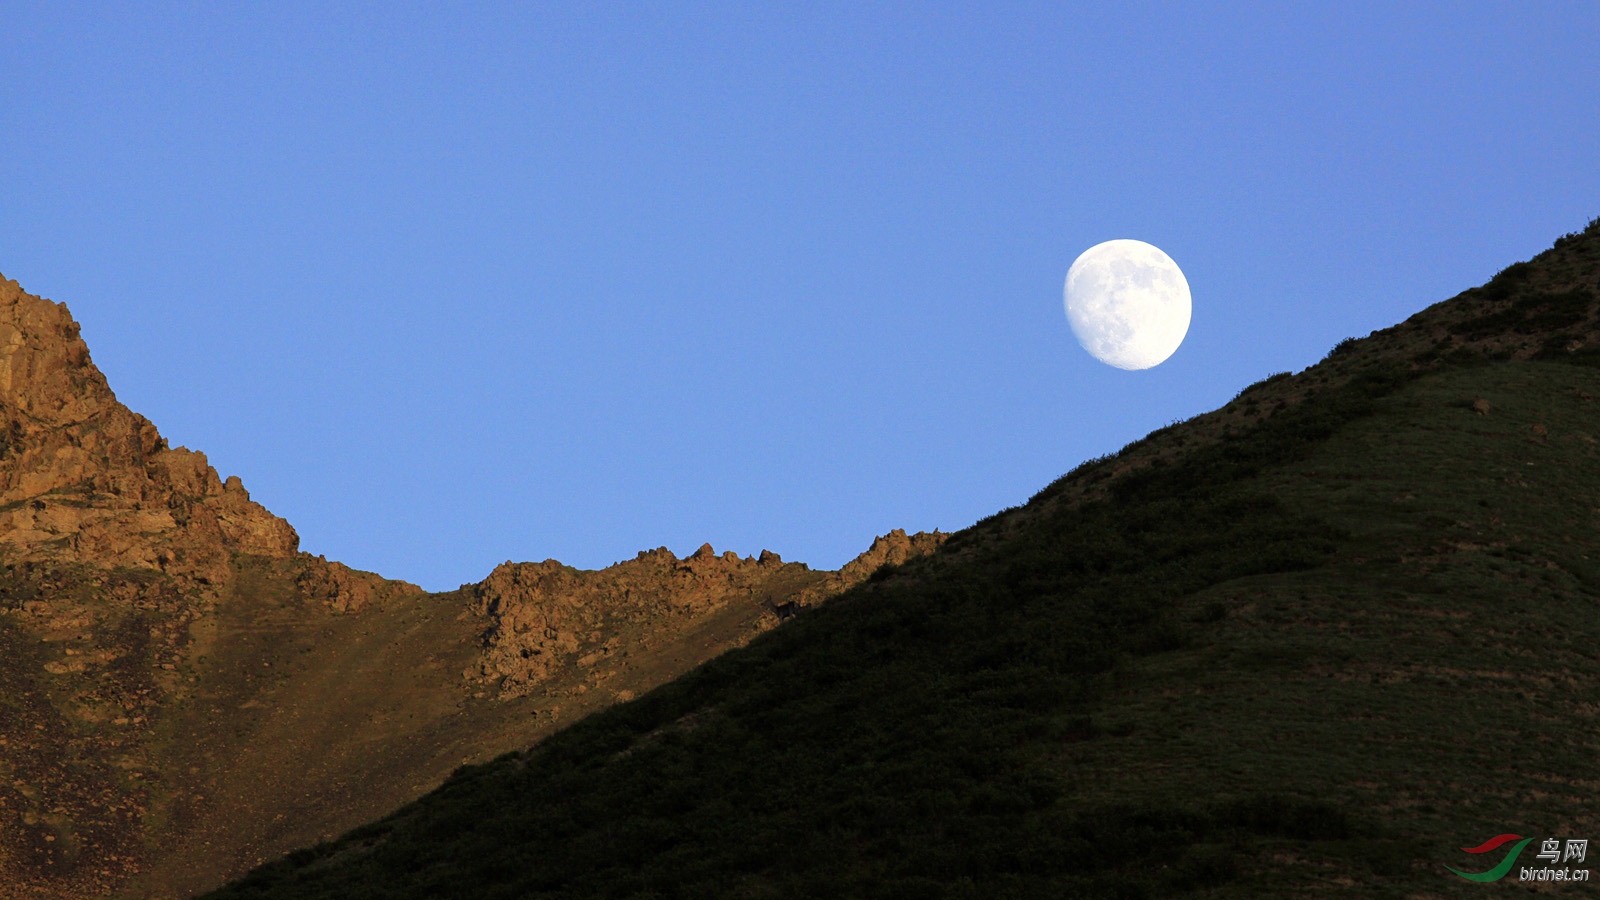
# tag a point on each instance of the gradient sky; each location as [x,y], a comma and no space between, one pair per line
[449,285]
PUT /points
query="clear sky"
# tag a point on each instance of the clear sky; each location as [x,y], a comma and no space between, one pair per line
[452,284]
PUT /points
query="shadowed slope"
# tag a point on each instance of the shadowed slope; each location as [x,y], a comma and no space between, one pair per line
[1314,642]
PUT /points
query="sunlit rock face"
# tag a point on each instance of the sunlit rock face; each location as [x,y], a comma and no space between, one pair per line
[545,619]
[85,479]
[891,549]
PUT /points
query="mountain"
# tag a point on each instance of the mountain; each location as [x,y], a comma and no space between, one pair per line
[1312,643]
[85,478]
[184,695]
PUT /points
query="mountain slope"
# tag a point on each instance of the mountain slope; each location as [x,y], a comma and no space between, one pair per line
[184,696]
[1314,642]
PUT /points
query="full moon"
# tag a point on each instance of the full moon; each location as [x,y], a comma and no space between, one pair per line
[1128,304]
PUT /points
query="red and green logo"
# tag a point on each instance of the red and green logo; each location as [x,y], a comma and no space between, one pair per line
[1500,871]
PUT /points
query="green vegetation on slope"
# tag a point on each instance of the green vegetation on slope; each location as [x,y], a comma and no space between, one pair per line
[1353,633]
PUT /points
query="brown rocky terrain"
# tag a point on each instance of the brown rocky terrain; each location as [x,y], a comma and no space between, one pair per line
[546,618]
[184,694]
[84,478]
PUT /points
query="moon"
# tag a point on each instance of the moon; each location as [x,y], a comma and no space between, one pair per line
[1128,303]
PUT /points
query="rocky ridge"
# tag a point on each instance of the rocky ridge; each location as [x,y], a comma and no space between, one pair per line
[85,479]
[892,549]
[547,617]
[183,693]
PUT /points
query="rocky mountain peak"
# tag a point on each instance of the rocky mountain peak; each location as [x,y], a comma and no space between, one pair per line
[85,479]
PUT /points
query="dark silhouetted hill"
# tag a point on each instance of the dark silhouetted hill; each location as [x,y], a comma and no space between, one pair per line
[1309,644]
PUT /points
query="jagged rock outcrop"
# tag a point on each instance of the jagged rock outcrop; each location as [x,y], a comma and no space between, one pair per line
[85,479]
[342,588]
[891,549]
[547,618]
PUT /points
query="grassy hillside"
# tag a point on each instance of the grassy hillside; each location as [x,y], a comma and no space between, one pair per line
[1310,644]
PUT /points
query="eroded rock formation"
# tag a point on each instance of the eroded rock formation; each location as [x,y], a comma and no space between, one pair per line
[546,618]
[85,479]
[344,589]
[892,549]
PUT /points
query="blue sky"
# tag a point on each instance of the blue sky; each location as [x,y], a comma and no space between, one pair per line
[453,284]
